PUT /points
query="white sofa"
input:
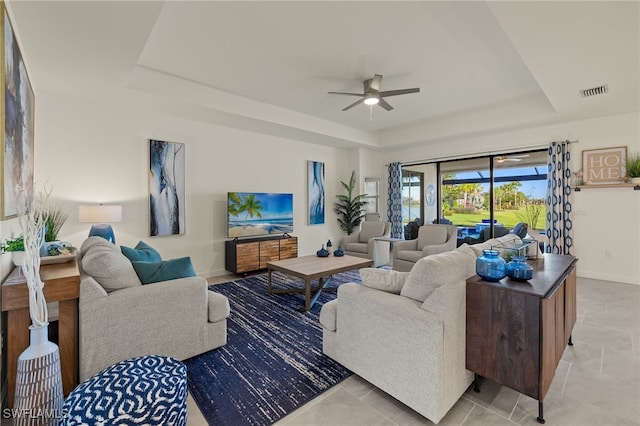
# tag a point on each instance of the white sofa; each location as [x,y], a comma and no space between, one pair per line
[404,332]
[122,318]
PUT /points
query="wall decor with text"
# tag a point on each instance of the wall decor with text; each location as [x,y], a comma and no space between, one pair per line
[604,166]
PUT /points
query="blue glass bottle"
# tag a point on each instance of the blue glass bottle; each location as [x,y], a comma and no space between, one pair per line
[518,269]
[490,266]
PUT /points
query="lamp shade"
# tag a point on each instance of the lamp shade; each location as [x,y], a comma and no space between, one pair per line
[100,214]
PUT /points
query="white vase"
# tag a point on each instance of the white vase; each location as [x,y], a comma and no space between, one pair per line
[635,180]
[19,257]
[39,398]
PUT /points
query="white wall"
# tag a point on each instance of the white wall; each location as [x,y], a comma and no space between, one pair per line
[606,220]
[93,152]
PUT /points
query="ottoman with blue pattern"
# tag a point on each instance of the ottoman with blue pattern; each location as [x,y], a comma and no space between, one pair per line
[147,390]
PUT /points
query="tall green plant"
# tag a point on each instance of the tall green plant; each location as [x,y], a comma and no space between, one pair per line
[55,217]
[350,208]
[531,213]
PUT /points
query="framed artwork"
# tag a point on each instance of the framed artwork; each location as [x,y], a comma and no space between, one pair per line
[18,122]
[315,180]
[166,188]
[604,166]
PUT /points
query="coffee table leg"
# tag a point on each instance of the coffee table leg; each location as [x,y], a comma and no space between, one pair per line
[269,280]
[307,294]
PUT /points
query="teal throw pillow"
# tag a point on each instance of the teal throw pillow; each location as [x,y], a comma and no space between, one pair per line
[153,272]
[142,252]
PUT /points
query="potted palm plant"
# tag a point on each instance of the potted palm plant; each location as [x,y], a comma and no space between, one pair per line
[350,207]
[632,167]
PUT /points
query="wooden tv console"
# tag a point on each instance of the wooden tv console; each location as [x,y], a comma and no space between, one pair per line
[252,254]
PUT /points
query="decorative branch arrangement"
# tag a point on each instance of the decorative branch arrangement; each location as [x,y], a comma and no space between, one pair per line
[32,217]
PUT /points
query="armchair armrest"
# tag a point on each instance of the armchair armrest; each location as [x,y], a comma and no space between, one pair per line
[405,245]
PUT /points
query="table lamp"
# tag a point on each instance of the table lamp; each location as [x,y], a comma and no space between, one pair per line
[102,216]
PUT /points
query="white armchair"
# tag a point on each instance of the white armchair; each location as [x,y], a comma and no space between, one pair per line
[360,243]
[432,239]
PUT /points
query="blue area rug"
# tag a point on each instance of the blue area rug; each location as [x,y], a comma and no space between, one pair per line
[273,361]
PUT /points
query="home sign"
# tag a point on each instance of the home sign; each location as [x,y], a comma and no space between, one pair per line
[604,166]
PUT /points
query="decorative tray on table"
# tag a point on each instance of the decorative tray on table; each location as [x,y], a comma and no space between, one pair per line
[61,258]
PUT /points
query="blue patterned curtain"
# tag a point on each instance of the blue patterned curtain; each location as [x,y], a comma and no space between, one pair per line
[559,213]
[394,200]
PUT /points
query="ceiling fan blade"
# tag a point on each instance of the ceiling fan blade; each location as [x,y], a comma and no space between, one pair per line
[399,92]
[345,93]
[384,104]
[358,102]
[375,82]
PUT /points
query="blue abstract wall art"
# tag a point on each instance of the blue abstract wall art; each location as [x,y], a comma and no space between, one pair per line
[166,188]
[19,124]
[315,176]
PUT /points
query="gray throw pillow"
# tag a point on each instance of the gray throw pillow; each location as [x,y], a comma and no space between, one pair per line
[383,279]
[110,268]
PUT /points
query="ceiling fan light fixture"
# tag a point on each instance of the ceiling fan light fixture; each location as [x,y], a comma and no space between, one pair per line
[371,100]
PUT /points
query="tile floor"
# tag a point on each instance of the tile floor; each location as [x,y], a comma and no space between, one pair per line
[597,382]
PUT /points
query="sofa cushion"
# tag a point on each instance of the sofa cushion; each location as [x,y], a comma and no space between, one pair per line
[357,247]
[469,256]
[430,273]
[142,252]
[96,242]
[110,268]
[383,279]
[431,235]
[371,230]
[329,315]
[153,272]
[218,306]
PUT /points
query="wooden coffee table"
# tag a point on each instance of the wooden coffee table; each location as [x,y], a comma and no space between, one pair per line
[314,267]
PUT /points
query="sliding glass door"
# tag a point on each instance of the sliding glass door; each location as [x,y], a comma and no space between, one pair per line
[483,196]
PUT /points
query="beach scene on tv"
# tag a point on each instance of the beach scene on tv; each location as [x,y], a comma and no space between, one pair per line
[253,214]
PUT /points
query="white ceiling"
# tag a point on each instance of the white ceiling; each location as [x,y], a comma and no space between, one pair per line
[267,66]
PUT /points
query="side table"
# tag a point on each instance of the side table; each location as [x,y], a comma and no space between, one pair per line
[517,331]
[383,257]
[62,285]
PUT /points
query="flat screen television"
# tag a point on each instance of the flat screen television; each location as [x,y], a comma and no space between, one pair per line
[252,214]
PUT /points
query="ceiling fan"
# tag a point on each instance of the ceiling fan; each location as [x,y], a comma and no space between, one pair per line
[502,159]
[372,94]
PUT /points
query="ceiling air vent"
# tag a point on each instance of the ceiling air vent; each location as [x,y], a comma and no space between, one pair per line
[600,90]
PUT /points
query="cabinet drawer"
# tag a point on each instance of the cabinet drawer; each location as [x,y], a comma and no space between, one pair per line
[288,248]
[269,250]
[247,257]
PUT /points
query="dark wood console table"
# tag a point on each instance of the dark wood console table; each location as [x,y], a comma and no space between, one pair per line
[517,331]
[62,285]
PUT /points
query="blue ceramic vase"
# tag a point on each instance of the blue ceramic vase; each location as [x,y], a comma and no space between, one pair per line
[518,269]
[490,266]
[322,252]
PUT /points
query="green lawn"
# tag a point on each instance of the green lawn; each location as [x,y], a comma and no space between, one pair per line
[508,218]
